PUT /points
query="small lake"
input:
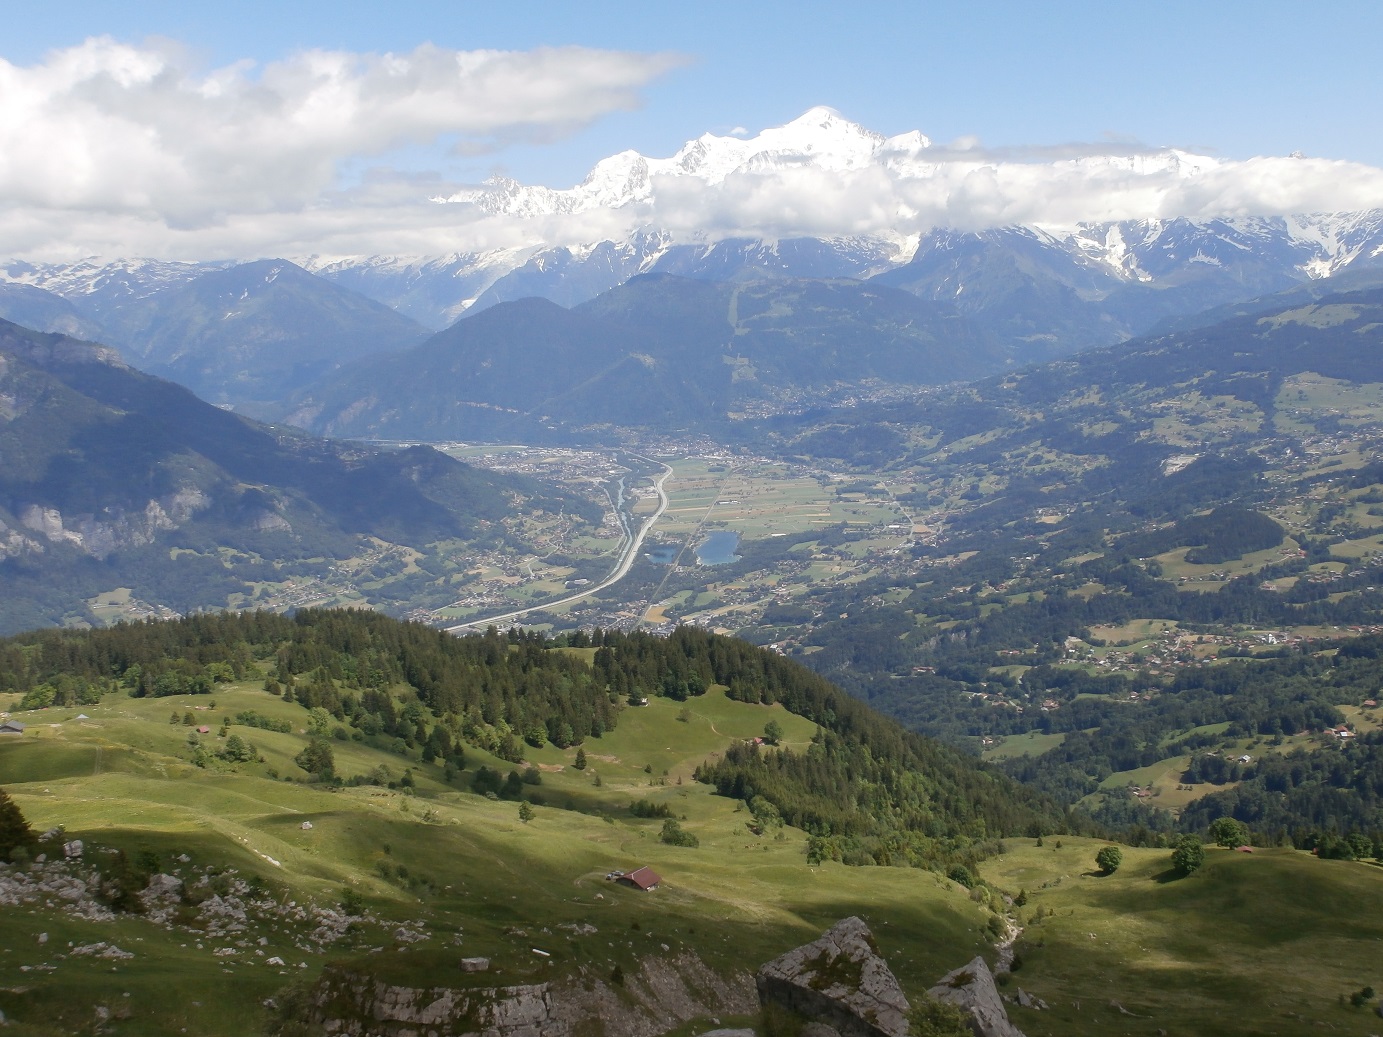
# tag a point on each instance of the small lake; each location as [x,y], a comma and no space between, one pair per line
[663,554]
[718,548]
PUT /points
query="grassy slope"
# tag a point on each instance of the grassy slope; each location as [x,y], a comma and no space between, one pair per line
[481,878]
[1261,943]
[737,900]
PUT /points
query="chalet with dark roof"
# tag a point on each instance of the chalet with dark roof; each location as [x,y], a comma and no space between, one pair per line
[644,878]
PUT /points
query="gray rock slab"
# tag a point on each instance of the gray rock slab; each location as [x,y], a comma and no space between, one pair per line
[839,980]
[971,989]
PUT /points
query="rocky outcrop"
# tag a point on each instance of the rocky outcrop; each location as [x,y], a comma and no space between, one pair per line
[971,989]
[660,995]
[840,981]
[115,528]
[356,1005]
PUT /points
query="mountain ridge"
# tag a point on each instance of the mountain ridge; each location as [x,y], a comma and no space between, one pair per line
[110,477]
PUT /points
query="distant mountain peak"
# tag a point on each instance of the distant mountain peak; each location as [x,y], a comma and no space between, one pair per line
[820,138]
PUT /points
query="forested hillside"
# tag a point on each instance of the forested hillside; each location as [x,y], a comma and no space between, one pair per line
[868,790]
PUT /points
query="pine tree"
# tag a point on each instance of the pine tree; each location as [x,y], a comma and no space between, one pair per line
[14,830]
[580,761]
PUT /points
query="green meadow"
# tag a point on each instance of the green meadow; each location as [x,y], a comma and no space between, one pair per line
[1261,943]
[1236,948]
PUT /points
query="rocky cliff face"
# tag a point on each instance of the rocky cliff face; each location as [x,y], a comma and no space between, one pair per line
[661,995]
[839,985]
[114,529]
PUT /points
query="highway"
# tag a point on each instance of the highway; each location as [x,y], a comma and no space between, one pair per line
[626,561]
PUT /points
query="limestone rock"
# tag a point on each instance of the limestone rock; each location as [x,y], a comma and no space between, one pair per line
[658,996]
[1030,1001]
[161,896]
[840,981]
[971,988]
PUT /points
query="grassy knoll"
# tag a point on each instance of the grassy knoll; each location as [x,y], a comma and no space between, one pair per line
[1261,943]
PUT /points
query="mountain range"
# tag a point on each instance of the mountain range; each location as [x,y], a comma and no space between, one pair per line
[1059,282]
[659,352]
[272,338]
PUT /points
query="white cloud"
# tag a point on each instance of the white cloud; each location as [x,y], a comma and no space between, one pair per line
[969,191]
[121,150]
[110,135]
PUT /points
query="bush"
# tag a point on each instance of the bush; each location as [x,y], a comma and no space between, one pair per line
[237,750]
[932,1018]
[317,759]
[675,835]
[1108,859]
[960,873]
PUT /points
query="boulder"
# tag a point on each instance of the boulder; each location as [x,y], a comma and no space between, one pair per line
[839,981]
[1030,1001]
[971,989]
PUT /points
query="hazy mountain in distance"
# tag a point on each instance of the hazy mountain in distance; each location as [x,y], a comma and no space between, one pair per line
[110,477]
[660,351]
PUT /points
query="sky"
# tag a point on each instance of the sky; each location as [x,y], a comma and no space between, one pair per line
[249,128]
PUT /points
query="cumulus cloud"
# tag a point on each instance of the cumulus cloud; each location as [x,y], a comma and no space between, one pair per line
[120,134]
[114,149]
[968,191]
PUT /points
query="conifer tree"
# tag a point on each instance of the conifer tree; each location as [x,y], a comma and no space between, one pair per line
[14,829]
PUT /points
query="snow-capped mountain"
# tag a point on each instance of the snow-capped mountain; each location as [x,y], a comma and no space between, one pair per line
[1309,246]
[820,139]
[1118,276]
[103,286]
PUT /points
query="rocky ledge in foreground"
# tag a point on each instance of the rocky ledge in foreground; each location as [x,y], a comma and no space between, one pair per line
[971,989]
[839,980]
[841,983]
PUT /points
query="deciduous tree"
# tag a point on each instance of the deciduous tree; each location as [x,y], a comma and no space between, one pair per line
[1188,854]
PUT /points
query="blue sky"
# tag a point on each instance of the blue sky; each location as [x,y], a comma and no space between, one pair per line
[1233,79]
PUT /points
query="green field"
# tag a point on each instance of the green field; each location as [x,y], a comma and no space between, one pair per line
[1263,943]
[467,874]
[754,500]
[1033,743]
[474,870]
